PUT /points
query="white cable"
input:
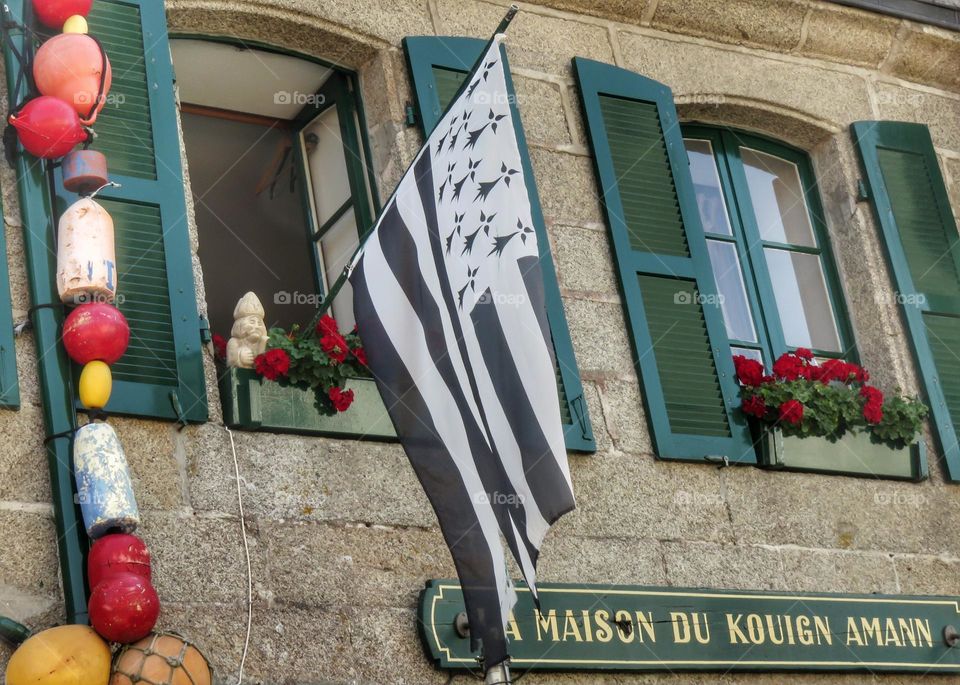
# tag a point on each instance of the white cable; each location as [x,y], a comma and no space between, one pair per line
[246,551]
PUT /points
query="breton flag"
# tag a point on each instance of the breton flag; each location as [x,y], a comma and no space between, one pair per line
[448,297]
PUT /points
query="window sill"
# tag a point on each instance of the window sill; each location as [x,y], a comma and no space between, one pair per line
[250,403]
[852,455]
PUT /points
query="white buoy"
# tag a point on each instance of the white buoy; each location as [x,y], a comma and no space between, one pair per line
[86,255]
[103,482]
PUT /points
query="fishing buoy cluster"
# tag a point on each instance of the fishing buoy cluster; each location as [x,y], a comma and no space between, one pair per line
[73,75]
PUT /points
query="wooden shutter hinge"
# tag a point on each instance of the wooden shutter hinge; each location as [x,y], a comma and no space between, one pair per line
[178,409]
[862,193]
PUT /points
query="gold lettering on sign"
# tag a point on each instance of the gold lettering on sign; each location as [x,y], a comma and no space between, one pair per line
[604,632]
[702,636]
[624,627]
[737,636]
[853,634]
[570,627]
[804,634]
[822,626]
[774,637]
[681,627]
[645,625]
[923,630]
[871,630]
[547,625]
[513,630]
[755,629]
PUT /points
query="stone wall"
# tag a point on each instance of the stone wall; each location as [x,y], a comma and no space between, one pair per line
[340,534]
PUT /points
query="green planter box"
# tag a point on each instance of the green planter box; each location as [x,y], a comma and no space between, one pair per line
[251,403]
[854,455]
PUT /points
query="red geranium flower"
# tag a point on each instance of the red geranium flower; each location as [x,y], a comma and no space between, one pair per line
[272,364]
[872,395]
[361,355]
[335,347]
[327,325]
[219,346]
[754,406]
[790,367]
[804,353]
[791,412]
[342,399]
[749,371]
[839,370]
[872,412]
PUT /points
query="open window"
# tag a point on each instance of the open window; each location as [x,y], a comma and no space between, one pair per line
[279,174]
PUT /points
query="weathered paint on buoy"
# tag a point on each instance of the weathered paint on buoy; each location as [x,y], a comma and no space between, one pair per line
[86,256]
[103,482]
[96,382]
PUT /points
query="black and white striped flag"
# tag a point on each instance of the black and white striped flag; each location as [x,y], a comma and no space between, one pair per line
[448,296]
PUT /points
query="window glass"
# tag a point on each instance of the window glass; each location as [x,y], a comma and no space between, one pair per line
[776,194]
[802,300]
[706,181]
[733,294]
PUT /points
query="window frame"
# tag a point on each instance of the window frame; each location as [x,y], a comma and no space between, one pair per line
[726,143]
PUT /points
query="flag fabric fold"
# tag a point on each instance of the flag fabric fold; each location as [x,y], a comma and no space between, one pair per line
[449,302]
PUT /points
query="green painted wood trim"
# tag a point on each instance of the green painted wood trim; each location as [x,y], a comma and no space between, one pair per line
[852,455]
[598,80]
[151,397]
[53,365]
[870,137]
[251,403]
[460,54]
[9,384]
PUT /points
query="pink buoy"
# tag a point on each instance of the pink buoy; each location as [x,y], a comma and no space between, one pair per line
[84,171]
[48,127]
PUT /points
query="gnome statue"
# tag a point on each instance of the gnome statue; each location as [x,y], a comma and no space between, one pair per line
[248,337]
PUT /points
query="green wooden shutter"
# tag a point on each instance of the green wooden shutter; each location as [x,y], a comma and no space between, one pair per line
[912,208]
[9,386]
[665,276]
[438,65]
[161,374]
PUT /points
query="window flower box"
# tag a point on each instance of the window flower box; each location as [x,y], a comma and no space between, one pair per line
[853,454]
[252,403]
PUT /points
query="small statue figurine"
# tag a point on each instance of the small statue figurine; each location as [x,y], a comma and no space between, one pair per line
[248,337]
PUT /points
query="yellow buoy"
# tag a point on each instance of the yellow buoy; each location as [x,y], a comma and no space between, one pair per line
[96,382]
[75,24]
[67,655]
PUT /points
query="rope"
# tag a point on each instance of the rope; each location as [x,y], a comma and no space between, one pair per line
[246,551]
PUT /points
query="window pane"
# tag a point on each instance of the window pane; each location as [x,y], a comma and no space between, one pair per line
[777,197]
[703,168]
[748,353]
[802,300]
[251,236]
[326,164]
[336,248]
[733,294]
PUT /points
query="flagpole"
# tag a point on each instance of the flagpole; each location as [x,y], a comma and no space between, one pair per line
[348,269]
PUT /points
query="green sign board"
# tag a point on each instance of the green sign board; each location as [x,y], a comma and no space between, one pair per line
[633,628]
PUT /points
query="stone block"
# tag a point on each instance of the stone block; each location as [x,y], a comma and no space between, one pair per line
[629,11]
[535,41]
[567,187]
[846,35]
[541,112]
[626,418]
[323,565]
[617,561]
[633,496]
[158,475]
[928,575]
[760,23]
[24,475]
[722,79]
[584,260]
[599,336]
[929,55]
[808,570]
[601,436]
[738,567]
[31,564]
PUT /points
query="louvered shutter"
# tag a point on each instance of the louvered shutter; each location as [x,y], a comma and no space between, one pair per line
[161,374]
[668,289]
[438,67]
[912,208]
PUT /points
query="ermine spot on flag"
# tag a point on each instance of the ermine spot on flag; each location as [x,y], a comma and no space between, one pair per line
[449,301]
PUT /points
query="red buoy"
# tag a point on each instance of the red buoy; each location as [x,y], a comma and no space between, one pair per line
[95,331]
[72,67]
[124,608]
[117,553]
[54,13]
[48,127]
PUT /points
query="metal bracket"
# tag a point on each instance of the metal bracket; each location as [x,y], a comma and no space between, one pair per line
[411,115]
[205,335]
[462,625]
[950,636]
[862,193]
[178,409]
